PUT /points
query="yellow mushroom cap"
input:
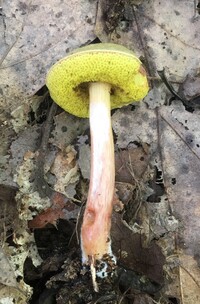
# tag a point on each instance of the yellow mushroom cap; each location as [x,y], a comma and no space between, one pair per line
[68,79]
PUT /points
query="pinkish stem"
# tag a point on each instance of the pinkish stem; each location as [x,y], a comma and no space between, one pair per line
[95,231]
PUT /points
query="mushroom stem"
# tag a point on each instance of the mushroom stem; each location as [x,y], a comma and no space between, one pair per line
[95,231]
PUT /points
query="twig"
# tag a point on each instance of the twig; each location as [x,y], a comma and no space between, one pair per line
[169,86]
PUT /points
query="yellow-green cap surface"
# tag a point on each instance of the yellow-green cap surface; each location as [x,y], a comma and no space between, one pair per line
[68,79]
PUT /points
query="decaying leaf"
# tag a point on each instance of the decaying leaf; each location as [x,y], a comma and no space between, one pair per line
[191,86]
[35,35]
[132,254]
[189,279]
[7,275]
[29,199]
[155,231]
[67,128]
[84,160]
[135,126]
[180,154]
[10,295]
[131,164]
[65,170]
[116,23]
[171,31]
[61,208]
[165,33]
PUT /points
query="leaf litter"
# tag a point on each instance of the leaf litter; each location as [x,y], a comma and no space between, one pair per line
[156,218]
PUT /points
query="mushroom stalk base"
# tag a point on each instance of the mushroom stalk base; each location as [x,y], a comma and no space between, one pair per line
[95,231]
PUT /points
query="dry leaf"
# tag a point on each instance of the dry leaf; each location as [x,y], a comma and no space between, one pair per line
[131,253]
[7,275]
[67,129]
[165,32]
[10,295]
[65,169]
[189,279]
[33,36]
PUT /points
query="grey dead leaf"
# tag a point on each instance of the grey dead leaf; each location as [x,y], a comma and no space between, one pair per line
[181,169]
[33,36]
[84,160]
[171,31]
[170,34]
[20,115]
[7,275]
[26,141]
[67,128]
[191,85]
[65,170]
[134,126]
[156,97]
[166,33]
[178,139]
[185,125]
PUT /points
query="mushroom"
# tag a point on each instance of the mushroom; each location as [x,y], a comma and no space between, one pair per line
[89,82]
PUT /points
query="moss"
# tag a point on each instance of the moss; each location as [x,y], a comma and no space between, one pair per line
[68,79]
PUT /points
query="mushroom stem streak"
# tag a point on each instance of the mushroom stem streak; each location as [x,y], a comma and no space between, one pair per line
[95,232]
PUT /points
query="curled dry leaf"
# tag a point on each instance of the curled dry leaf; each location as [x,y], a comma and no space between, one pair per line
[61,208]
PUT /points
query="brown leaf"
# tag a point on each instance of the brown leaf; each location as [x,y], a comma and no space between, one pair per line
[131,254]
[130,164]
[61,208]
[189,279]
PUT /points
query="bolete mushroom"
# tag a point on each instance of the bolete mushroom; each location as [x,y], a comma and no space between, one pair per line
[90,82]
